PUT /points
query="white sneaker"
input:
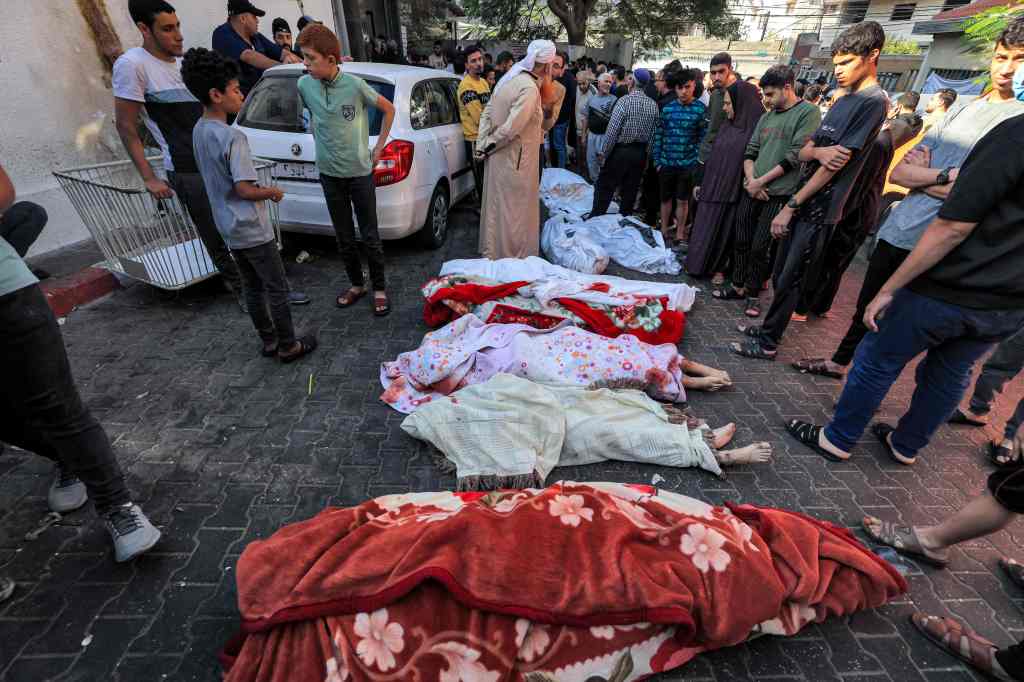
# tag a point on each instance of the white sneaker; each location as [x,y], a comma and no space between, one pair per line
[131,532]
[67,493]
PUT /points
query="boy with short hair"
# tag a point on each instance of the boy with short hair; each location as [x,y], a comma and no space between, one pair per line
[834,160]
[239,209]
[337,102]
[676,148]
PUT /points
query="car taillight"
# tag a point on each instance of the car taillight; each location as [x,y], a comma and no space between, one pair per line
[394,164]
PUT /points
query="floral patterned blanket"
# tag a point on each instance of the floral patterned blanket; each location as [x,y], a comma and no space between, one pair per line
[468,351]
[597,307]
[619,582]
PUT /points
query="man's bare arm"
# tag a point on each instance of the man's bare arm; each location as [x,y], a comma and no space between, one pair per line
[260,61]
[127,112]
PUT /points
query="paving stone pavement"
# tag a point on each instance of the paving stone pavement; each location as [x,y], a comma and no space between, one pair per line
[223,447]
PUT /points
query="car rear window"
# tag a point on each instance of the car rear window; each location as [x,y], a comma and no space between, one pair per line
[274,104]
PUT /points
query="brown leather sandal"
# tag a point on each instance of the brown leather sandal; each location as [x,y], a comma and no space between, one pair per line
[349,298]
[961,641]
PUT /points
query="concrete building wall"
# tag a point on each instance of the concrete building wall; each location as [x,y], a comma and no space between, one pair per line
[57,106]
[881,11]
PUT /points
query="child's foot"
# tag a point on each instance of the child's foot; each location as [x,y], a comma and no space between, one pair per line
[722,436]
[708,383]
[758,453]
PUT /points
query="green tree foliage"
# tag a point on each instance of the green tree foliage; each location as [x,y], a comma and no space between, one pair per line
[981,30]
[651,24]
[901,46]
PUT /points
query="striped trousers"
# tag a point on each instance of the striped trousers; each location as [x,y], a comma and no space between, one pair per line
[753,245]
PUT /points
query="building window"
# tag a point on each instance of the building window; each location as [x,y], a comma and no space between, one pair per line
[958,74]
[903,11]
[953,4]
[854,12]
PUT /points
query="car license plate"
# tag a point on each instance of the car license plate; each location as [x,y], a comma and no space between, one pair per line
[296,171]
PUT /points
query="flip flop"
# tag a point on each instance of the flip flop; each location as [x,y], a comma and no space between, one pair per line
[964,419]
[753,308]
[381,309]
[349,298]
[817,367]
[1014,571]
[307,344]
[807,434]
[751,330]
[904,540]
[1002,456]
[752,348]
[727,294]
[961,641]
[882,433]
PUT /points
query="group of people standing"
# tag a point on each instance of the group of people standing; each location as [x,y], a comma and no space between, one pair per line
[187,105]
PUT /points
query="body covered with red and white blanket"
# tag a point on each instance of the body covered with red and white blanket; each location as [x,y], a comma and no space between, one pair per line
[570,583]
[535,292]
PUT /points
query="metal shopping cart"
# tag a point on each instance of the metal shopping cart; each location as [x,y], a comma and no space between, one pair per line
[148,239]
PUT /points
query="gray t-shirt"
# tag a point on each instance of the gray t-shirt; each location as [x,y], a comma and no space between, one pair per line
[223,157]
[950,141]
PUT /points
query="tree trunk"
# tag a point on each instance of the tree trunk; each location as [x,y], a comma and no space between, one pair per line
[573,14]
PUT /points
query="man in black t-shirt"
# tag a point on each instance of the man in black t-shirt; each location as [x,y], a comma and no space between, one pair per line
[957,294]
[834,160]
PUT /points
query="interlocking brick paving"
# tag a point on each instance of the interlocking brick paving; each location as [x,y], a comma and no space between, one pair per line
[223,447]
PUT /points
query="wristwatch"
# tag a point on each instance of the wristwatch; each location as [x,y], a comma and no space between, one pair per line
[792,203]
[943,177]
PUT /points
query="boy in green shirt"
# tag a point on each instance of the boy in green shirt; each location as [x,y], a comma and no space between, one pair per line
[337,103]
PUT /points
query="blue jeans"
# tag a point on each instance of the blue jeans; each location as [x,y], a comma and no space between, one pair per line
[557,138]
[954,339]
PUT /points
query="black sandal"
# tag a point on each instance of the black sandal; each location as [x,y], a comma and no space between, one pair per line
[1001,456]
[962,418]
[752,349]
[753,308]
[1014,570]
[808,434]
[816,366]
[728,294]
[269,353]
[751,330]
[381,309]
[307,344]
[882,433]
[349,298]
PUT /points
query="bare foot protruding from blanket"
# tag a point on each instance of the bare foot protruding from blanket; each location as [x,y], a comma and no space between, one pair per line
[693,369]
[758,453]
[709,383]
[722,436]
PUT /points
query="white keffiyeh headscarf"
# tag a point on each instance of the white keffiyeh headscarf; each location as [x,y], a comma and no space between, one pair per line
[539,52]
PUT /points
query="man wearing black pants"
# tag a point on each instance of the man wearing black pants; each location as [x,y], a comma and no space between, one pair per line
[624,154]
[41,411]
[929,172]
[834,160]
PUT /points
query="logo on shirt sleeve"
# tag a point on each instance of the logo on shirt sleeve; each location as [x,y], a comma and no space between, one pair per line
[348,112]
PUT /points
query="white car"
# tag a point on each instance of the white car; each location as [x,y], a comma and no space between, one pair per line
[424,168]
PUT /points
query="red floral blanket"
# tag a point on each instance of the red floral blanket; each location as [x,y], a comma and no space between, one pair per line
[573,582]
[649,319]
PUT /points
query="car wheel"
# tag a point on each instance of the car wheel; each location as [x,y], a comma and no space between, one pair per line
[435,229]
